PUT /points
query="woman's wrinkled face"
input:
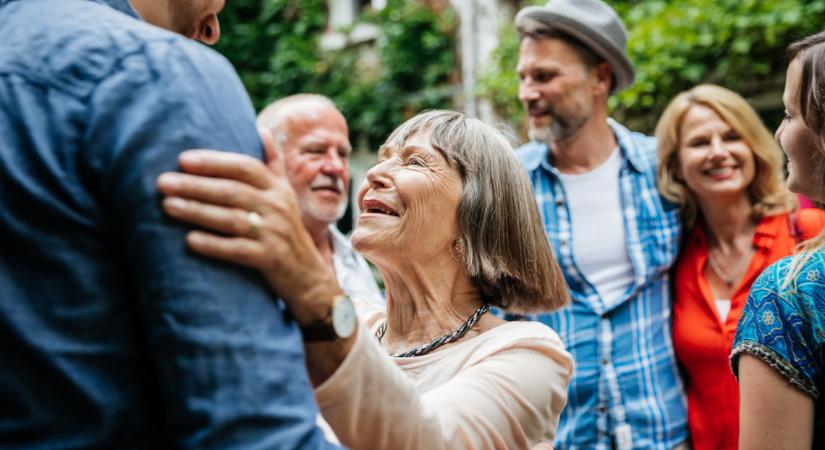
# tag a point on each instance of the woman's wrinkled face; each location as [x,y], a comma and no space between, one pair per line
[408,203]
[798,142]
[713,158]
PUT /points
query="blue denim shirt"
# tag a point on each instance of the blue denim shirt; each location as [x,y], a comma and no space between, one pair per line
[626,391]
[111,333]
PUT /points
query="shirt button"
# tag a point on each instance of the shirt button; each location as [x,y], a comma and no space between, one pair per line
[605,362]
[559,202]
[602,409]
[563,242]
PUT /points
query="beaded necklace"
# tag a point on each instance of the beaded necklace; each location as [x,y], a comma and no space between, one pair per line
[446,339]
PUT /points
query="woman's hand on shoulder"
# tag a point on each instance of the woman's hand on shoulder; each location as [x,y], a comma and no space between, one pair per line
[250,216]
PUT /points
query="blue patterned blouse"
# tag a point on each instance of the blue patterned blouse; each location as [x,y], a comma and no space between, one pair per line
[785,327]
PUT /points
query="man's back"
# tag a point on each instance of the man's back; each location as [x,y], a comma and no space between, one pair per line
[112,334]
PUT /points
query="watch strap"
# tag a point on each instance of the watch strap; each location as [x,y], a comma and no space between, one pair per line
[319,332]
[324,329]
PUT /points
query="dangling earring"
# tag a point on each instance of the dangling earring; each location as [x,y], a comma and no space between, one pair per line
[458,250]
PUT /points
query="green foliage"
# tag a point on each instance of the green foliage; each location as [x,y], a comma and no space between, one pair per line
[499,84]
[739,44]
[274,45]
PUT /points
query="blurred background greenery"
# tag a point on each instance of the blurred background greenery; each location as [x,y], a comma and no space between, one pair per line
[413,60]
[275,46]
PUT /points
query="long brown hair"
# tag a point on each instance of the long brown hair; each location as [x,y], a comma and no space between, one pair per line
[810,98]
[811,95]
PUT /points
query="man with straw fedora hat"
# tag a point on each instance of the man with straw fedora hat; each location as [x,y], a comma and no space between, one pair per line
[614,236]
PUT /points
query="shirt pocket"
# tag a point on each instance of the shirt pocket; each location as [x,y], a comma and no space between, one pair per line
[659,240]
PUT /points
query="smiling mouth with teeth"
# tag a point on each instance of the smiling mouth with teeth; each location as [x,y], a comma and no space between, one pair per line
[381,211]
[327,189]
[376,207]
[719,171]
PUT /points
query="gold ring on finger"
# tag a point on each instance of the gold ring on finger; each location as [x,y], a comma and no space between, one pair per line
[255,222]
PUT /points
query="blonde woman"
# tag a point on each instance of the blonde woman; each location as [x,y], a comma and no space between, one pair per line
[720,164]
[779,350]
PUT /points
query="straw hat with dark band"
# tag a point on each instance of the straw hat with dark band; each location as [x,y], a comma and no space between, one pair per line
[593,23]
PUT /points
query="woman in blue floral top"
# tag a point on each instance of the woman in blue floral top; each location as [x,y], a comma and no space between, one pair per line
[779,350]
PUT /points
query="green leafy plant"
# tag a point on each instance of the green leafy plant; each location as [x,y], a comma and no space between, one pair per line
[674,45]
[274,45]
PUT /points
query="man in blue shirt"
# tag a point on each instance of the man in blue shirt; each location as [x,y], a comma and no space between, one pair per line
[113,335]
[612,233]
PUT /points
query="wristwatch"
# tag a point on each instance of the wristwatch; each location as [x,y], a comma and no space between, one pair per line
[339,323]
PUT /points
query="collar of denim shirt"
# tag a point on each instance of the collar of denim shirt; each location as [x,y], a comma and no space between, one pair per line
[121,5]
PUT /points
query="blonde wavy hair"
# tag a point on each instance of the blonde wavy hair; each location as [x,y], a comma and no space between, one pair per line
[768,193]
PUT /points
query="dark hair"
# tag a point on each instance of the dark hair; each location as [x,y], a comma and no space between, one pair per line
[810,98]
[811,95]
[535,29]
[539,30]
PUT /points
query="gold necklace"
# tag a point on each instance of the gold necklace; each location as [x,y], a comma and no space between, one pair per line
[729,281]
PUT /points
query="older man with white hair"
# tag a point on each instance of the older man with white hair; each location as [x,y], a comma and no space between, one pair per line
[313,137]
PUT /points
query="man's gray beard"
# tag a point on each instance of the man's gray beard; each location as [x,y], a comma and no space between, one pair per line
[556,131]
[311,215]
[322,215]
[342,209]
[548,134]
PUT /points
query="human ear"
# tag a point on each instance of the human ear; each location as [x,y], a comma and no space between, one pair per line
[209,30]
[604,76]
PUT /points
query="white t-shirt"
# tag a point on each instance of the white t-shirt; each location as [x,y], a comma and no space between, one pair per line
[599,246]
[723,307]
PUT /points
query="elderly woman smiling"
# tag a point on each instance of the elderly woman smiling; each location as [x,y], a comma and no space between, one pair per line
[448,217]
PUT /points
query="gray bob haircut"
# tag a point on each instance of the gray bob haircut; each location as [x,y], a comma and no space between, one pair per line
[506,252]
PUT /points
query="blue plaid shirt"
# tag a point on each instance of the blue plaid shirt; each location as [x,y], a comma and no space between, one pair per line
[626,389]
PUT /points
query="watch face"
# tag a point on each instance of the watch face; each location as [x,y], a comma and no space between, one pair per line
[343,317]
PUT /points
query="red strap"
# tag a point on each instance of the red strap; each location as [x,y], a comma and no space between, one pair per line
[806,224]
[794,226]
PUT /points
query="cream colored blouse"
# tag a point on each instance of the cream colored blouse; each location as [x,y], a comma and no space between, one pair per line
[502,389]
